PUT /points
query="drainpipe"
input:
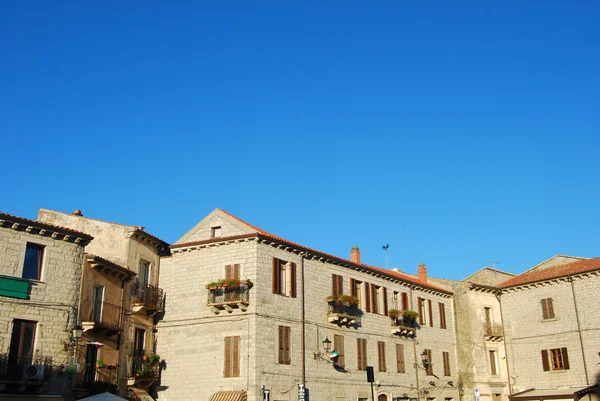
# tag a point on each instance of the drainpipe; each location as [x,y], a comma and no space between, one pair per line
[416,364]
[303,318]
[570,279]
[499,298]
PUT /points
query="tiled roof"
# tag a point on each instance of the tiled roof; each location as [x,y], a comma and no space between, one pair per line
[100,260]
[569,269]
[390,273]
[35,223]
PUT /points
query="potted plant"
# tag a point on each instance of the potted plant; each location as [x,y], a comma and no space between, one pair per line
[349,300]
[331,299]
[394,313]
[212,286]
[153,359]
[410,314]
[99,363]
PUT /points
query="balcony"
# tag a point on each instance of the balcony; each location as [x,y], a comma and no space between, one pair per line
[493,331]
[229,298]
[100,316]
[403,326]
[142,371]
[25,370]
[146,297]
[341,314]
[93,378]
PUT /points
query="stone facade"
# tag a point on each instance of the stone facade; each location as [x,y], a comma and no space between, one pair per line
[49,304]
[192,336]
[128,248]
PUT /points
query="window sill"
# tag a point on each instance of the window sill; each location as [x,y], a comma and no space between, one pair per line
[554,319]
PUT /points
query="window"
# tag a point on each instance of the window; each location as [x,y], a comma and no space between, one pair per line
[442,315]
[34,257]
[493,362]
[231,366]
[400,364]
[375,293]
[338,346]
[98,303]
[381,356]
[215,232]
[285,357]
[488,316]
[361,353]
[547,309]
[428,363]
[337,285]
[555,359]
[422,317]
[21,341]
[356,290]
[138,342]
[446,359]
[405,301]
[232,272]
[284,278]
[430,310]
[144,273]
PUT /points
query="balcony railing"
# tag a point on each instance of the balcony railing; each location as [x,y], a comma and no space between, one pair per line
[99,315]
[142,370]
[147,296]
[403,326]
[493,331]
[229,297]
[91,376]
[343,314]
[25,368]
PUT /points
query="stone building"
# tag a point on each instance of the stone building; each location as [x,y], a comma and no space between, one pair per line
[121,302]
[40,275]
[250,313]
[552,325]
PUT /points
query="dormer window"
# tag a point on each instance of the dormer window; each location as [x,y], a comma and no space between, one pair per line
[215,232]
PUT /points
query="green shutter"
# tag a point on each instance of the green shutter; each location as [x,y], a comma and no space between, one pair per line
[14,287]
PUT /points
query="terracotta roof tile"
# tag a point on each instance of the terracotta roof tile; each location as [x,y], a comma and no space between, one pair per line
[569,269]
[390,273]
[23,220]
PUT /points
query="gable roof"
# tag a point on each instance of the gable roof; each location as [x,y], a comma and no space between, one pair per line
[258,231]
[581,266]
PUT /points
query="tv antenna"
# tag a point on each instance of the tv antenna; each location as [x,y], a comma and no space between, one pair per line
[385,248]
[494,263]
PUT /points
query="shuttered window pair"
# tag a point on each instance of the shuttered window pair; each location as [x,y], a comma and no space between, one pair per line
[400,364]
[381,356]
[231,366]
[547,309]
[337,285]
[375,297]
[338,346]
[232,272]
[442,315]
[284,278]
[361,353]
[446,359]
[285,357]
[425,312]
[555,359]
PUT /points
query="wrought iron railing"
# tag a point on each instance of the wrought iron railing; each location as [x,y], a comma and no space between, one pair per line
[350,310]
[403,321]
[103,314]
[90,374]
[223,295]
[140,366]
[493,329]
[148,295]
[25,368]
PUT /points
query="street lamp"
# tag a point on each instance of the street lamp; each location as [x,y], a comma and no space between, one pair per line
[76,333]
[326,344]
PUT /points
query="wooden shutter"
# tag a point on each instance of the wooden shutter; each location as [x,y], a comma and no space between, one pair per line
[430,307]
[293,280]
[228,271]
[420,302]
[235,356]
[442,315]
[338,346]
[374,300]
[352,287]
[430,365]
[400,365]
[288,345]
[446,358]
[337,285]
[565,358]
[361,347]
[404,300]
[385,301]
[276,277]
[359,356]
[550,308]
[236,272]
[544,308]
[281,346]
[227,357]
[367,297]
[381,356]
[545,360]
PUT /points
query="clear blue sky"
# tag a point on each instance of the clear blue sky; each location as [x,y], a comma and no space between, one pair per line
[457,133]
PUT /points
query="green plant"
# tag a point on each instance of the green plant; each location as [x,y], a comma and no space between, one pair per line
[144,372]
[100,363]
[153,359]
[394,313]
[223,283]
[348,300]
[410,314]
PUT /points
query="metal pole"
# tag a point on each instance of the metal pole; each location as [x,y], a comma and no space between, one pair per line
[372,392]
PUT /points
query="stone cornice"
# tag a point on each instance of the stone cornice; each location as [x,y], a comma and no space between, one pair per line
[35,227]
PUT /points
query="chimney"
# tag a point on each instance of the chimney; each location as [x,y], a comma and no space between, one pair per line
[422,273]
[77,212]
[355,254]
